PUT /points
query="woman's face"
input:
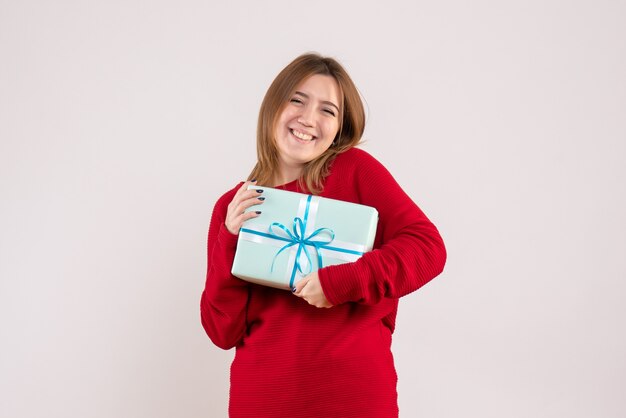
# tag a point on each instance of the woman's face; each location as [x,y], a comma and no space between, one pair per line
[309,122]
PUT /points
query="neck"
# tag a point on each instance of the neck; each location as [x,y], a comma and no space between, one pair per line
[287,175]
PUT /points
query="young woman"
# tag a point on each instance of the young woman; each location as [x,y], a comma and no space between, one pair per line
[324,349]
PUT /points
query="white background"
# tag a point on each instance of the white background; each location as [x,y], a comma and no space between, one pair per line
[121,123]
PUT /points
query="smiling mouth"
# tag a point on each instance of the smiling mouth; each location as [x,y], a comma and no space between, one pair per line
[301,135]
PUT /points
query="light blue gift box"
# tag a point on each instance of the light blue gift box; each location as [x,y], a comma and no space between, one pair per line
[297,234]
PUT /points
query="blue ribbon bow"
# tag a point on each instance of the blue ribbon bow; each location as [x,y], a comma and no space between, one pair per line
[297,237]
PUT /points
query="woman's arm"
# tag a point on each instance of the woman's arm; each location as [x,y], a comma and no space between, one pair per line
[411,251]
[224,300]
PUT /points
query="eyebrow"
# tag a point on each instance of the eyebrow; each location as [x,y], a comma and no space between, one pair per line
[306,96]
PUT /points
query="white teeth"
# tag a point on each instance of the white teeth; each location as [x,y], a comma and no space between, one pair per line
[301,135]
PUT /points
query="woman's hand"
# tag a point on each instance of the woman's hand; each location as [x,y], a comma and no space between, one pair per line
[243,199]
[310,289]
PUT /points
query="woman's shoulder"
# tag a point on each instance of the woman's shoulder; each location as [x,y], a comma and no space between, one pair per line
[356,158]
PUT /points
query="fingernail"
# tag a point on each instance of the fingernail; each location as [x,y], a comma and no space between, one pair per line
[259,190]
[261,198]
[293,290]
[258,212]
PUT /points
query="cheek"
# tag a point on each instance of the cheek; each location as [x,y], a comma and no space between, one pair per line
[281,125]
[282,120]
[332,130]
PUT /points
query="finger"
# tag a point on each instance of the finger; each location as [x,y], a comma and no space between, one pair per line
[235,224]
[243,199]
[242,189]
[249,215]
[297,289]
[252,197]
[244,206]
[237,206]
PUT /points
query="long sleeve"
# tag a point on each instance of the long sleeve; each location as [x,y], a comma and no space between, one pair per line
[224,300]
[408,253]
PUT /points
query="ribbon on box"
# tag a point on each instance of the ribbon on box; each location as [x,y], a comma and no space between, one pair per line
[300,238]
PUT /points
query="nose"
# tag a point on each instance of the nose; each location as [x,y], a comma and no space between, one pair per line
[306,116]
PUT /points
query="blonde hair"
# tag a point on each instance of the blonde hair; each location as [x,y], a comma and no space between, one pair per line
[351,117]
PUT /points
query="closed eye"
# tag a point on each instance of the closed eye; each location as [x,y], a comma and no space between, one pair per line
[329,111]
[296,100]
